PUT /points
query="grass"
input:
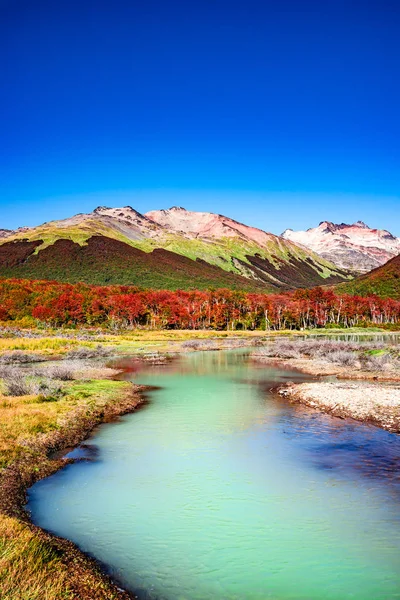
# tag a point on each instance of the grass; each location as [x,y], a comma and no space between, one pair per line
[45,345]
[23,417]
[59,342]
[130,341]
[30,569]
[33,565]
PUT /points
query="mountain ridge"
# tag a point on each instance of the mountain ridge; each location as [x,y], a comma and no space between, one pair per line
[214,240]
[356,246]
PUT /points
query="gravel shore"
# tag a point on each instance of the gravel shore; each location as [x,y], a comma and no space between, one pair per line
[374,403]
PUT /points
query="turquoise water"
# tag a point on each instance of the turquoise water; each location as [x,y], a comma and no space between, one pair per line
[217,489]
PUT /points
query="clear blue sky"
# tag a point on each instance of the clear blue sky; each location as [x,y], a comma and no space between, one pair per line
[279,114]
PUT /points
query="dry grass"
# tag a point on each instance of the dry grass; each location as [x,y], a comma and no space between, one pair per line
[23,417]
[45,345]
[30,569]
[32,566]
[61,342]
[101,344]
[84,352]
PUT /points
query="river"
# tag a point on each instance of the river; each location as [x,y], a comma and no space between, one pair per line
[219,490]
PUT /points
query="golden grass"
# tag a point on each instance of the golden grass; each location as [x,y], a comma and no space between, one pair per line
[123,342]
[23,417]
[138,340]
[46,345]
[30,568]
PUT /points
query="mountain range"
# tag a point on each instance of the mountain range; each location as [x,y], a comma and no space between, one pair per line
[181,249]
[356,247]
[172,248]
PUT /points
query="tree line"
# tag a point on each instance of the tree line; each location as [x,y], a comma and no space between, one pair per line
[30,303]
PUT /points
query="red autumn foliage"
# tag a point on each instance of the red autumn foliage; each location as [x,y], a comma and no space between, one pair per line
[62,304]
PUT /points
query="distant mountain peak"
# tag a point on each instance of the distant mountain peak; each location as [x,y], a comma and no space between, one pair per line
[357,247]
[100,209]
[335,226]
[207,225]
[125,212]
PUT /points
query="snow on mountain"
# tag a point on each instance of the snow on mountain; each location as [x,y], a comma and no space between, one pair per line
[356,247]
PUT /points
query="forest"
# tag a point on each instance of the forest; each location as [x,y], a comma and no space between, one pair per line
[28,303]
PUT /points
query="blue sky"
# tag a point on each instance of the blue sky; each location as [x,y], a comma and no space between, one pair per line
[279,114]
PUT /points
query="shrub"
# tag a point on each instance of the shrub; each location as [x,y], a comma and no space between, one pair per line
[286,349]
[342,357]
[378,363]
[198,344]
[19,357]
[47,391]
[16,385]
[84,352]
[62,372]
[8,371]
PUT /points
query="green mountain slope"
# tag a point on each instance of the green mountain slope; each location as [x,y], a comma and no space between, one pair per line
[383,281]
[106,261]
[210,250]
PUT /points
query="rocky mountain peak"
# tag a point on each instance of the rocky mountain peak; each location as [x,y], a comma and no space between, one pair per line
[356,247]
[100,209]
[126,212]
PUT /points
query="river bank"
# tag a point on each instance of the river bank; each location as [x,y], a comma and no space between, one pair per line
[366,384]
[34,431]
[371,403]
